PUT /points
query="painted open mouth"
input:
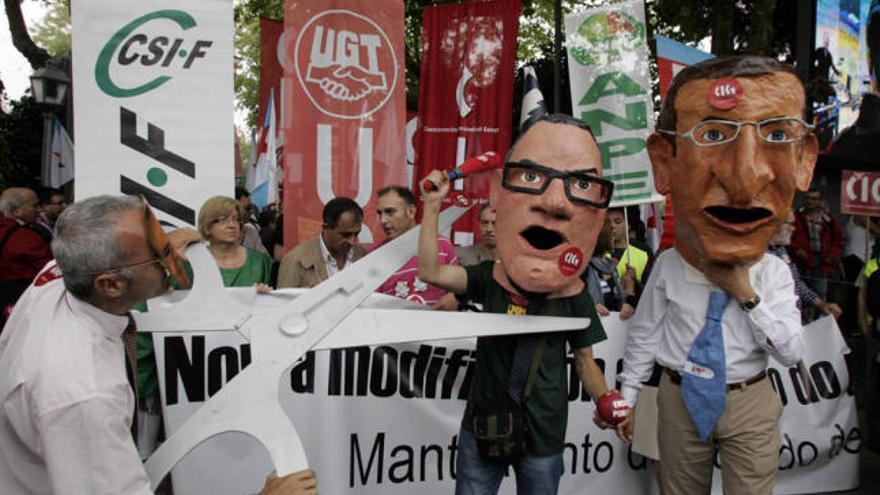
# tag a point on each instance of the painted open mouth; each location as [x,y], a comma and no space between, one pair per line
[735,216]
[541,238]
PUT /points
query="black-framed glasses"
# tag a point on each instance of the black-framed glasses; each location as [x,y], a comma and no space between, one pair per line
[580,188]
[715,132]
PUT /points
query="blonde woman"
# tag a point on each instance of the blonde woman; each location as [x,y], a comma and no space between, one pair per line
[220,225]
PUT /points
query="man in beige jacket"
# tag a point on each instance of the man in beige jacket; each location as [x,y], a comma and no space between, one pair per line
[321,257]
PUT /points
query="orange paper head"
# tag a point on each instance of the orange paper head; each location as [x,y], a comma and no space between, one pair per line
[731,149]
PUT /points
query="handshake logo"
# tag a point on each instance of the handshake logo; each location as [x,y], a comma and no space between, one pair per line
[346,82]
[351,69]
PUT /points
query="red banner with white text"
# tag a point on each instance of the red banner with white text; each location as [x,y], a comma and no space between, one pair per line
[344,126]
[270,63]
[466,91]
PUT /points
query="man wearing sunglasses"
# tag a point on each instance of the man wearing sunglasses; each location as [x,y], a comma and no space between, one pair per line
[731,148]
[66,406]
[550,201]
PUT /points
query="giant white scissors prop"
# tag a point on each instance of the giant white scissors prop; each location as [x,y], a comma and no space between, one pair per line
[324,317]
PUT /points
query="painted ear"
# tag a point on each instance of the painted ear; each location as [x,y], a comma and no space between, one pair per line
[660,151]
[806,162]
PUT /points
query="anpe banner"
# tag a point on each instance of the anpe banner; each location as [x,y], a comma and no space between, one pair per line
[466,92]
[346,109]
[860,193]
[610,79]
[385,420]
[154,102]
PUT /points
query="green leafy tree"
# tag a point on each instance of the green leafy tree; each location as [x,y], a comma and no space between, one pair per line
[53,32]
[21,132]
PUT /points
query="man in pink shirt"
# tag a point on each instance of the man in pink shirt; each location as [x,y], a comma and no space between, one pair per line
[397,215]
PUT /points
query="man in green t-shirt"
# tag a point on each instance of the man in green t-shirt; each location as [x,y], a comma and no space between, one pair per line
[545,231]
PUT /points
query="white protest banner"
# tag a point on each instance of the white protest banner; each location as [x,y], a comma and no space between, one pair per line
[610,80]
[385,420]
[154,102]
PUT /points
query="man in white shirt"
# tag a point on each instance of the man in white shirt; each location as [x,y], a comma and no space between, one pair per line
[66,405]
[731,148]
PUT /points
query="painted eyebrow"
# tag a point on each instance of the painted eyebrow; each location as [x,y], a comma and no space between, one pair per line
[713,117]
[591,170]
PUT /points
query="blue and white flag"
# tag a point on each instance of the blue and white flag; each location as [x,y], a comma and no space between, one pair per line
[262,181]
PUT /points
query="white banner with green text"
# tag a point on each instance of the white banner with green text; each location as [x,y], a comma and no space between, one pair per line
[154,102]
[610,80]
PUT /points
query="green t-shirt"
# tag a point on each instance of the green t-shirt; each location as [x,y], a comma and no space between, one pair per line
[547,407]
[257,268]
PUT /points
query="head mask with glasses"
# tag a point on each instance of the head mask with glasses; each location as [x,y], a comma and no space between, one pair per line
[715,132]
[581,188]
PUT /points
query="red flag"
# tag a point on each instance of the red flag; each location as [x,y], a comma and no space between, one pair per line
[344,130]
[466,91]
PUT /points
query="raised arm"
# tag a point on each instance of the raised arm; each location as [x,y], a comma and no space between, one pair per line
[451,278]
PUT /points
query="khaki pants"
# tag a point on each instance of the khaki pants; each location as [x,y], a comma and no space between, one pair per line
[746,437]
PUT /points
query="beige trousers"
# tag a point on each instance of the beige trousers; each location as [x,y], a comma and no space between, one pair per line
[746,438]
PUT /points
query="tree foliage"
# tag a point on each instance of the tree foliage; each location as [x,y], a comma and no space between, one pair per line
[21,133]
[53,31]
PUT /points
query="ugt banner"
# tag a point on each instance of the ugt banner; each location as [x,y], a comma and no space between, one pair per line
[610,80]
[466,92]
[154,96]
[346,109]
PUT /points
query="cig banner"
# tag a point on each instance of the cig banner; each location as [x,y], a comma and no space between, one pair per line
[344,125]
[385,420]
[466,91]
[610,80]
[154,97]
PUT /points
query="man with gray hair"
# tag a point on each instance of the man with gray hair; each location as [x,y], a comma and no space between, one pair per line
[23,251]
[66,406]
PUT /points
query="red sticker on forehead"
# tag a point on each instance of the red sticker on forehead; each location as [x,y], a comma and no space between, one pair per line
[461,199]
[725,93]
[570,261]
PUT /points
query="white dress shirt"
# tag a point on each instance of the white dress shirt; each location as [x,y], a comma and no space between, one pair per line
[329,261]
[65,398]
[672,311]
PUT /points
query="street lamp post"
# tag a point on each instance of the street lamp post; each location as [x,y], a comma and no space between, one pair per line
[49,86]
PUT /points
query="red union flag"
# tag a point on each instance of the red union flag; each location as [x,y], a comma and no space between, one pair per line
[344,130]
[860,193]
[466,91]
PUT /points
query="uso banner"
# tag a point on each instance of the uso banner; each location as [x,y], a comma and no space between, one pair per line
[610,79]
[346,109]
[385,420]
[154,102]
[673,56]
[466,92]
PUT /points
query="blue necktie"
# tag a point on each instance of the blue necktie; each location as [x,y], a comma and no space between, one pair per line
[704,381]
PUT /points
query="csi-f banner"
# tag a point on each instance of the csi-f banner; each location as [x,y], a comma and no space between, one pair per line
[610,80]
[154,102]
[346,109]
[385,420]
[466,92]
